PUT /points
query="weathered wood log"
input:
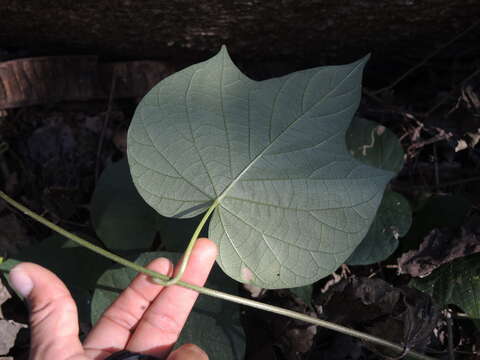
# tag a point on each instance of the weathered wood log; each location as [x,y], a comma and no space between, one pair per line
[46,80]
[311,32]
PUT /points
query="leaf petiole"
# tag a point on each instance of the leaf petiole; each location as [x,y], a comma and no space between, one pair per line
[188,251]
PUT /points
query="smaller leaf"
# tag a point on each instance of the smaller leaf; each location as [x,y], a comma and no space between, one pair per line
[214,324]
[438,211]
[393,220]
[78,267]
[74,264]
[121,218]
[374,144]
[457,283]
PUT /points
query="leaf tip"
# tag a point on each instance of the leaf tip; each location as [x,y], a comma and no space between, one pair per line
[363,61]
[366,57]
[224,55]
[223,50]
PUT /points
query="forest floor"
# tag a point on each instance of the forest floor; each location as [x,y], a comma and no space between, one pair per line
[53,148]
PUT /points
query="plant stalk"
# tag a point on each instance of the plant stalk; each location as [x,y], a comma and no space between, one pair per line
[188,251]
[211,292]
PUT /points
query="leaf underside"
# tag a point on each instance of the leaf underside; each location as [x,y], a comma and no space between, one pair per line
[292,201]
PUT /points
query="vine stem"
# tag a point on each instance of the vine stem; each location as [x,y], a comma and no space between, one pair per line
[188,251]
[211,292]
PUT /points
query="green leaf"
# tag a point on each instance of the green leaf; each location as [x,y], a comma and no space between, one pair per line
[457,283]
[119,215]
[292,203]
[375,145]
[78,267]
[74,264]
[214,325]
[393,220]
[124,221]
[438,211]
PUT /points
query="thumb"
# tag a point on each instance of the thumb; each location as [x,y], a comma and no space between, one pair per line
[53,313]
[188,352]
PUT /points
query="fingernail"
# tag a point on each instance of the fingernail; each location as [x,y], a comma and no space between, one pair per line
[192,351]
[20,281]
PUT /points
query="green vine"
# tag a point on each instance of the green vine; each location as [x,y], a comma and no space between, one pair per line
[162,279]
[188,251]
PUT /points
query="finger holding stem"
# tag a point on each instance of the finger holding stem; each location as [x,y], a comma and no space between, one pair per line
[210,292]
[188,251]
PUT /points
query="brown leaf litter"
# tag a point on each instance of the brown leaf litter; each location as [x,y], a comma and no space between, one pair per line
[439,247]
[372,305]
[8,328]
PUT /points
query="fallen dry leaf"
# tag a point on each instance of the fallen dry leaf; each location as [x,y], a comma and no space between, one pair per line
[8,328]
[439,247]
[255,291]
[336,278]
[4,296]
[301,339]
[8,333]
[373,305]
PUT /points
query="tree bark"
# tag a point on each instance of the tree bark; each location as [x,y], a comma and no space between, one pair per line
[312,31]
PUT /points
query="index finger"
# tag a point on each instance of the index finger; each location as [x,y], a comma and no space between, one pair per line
[162,323]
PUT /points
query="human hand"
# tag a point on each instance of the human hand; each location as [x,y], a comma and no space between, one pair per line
[146,318]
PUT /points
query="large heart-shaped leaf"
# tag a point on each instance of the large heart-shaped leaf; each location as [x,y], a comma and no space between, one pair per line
[292,202]
[214,325]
